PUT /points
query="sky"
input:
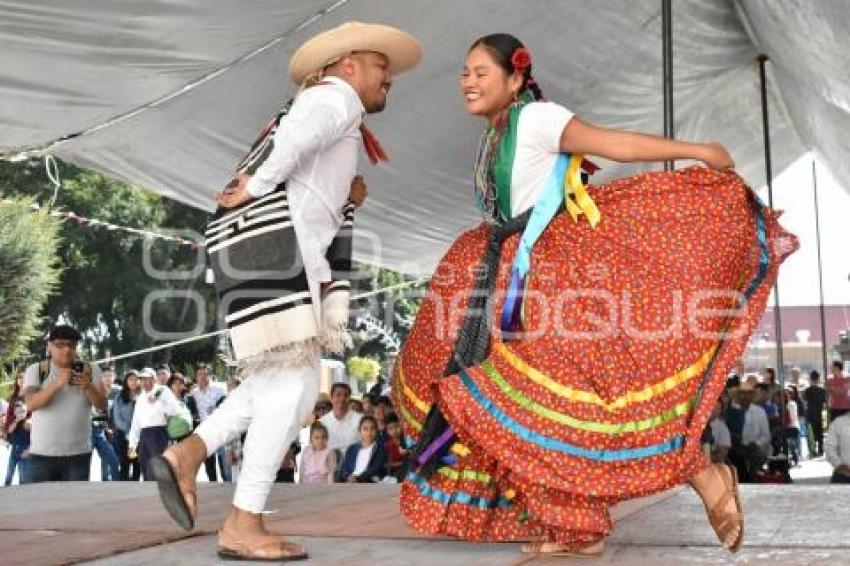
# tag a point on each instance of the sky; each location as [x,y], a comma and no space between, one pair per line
[798,277]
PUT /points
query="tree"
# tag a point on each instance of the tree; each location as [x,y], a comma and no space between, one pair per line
[28,273]
[105,282]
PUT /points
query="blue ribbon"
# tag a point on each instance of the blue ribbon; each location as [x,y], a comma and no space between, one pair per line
[546,207]
[455,496]
[554,444]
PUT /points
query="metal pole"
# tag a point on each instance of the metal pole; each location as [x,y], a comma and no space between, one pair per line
[820,270]
[777,314]
[667,71]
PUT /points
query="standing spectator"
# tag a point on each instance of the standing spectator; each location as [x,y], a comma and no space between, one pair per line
[16,430]
[163,374]
[365,461]
[794,377]
[207,397]
[792,426]
[815,399]
[734,379]
[750,432]
[342,423]
[838,386]
[838,448]
[769,377]
[60,392]
[148,436]
[764,399]
[721,439]
[179,426]
[102,431]
[318,462]
[122,416]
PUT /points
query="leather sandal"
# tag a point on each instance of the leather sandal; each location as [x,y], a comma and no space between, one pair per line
[181,505]
[580,550]
[724,522]
[272,551]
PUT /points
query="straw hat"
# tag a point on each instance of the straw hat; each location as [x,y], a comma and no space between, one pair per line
[402,49]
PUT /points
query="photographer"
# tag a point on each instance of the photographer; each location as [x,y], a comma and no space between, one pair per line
[61,392]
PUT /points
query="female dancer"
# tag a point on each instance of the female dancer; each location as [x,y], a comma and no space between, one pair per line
[572,347]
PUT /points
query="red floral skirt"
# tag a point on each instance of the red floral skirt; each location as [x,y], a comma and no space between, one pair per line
[630,329]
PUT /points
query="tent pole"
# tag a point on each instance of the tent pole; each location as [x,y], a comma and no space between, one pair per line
[667,71]
[777,313]
[820,268]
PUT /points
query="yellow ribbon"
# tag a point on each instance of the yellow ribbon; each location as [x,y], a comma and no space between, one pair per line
[582,204]
[630,398]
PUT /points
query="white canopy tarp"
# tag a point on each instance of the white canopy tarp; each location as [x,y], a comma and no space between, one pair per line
[168,94]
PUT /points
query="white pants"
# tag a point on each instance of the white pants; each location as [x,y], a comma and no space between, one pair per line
[271,404]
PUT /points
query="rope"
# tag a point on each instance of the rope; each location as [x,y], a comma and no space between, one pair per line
[224,331]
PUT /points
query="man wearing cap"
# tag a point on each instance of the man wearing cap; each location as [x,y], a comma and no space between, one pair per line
[299,178]
[750,431]
[61,393]
[148,432]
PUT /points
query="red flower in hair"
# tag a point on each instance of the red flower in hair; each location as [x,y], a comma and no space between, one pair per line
[521,59]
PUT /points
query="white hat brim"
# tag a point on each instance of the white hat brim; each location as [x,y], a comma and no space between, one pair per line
[401,49]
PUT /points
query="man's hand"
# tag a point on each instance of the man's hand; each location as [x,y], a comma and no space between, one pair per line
[359,192]
[235,193]
[63,376]
[83,379]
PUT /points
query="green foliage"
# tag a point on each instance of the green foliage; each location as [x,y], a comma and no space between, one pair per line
[363,369]
[105,283]
[28,273]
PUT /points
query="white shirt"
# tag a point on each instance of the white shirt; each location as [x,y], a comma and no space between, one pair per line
[207,399]
[342,433]
[538,144]
[152,410]
[756,428]
[363,457]
[837,445]
[720,433]
[793,417]
[315,152]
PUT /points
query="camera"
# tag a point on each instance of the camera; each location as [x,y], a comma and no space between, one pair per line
[77,369]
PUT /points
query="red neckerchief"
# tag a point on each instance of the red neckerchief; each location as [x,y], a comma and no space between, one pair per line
[373,147]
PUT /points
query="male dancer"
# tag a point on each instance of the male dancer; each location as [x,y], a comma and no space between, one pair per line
[286,210]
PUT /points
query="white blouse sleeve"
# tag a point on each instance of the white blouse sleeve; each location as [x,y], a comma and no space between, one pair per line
[545,122]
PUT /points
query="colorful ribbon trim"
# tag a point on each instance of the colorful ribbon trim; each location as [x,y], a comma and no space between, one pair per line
[456,496]
[604,428]
[471,475]
[549,443]
[621,402]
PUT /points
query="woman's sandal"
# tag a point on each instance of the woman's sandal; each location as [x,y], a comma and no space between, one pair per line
[275,551]
[723,521]
[580,550]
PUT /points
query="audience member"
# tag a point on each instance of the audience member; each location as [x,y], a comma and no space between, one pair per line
[396,447]
[148,436]
[318,461]
[838,387]
[342,423]
[750,432]
[206,397]
[815,399]
[122,416]
[61,392]
[365,461]
[838,448]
